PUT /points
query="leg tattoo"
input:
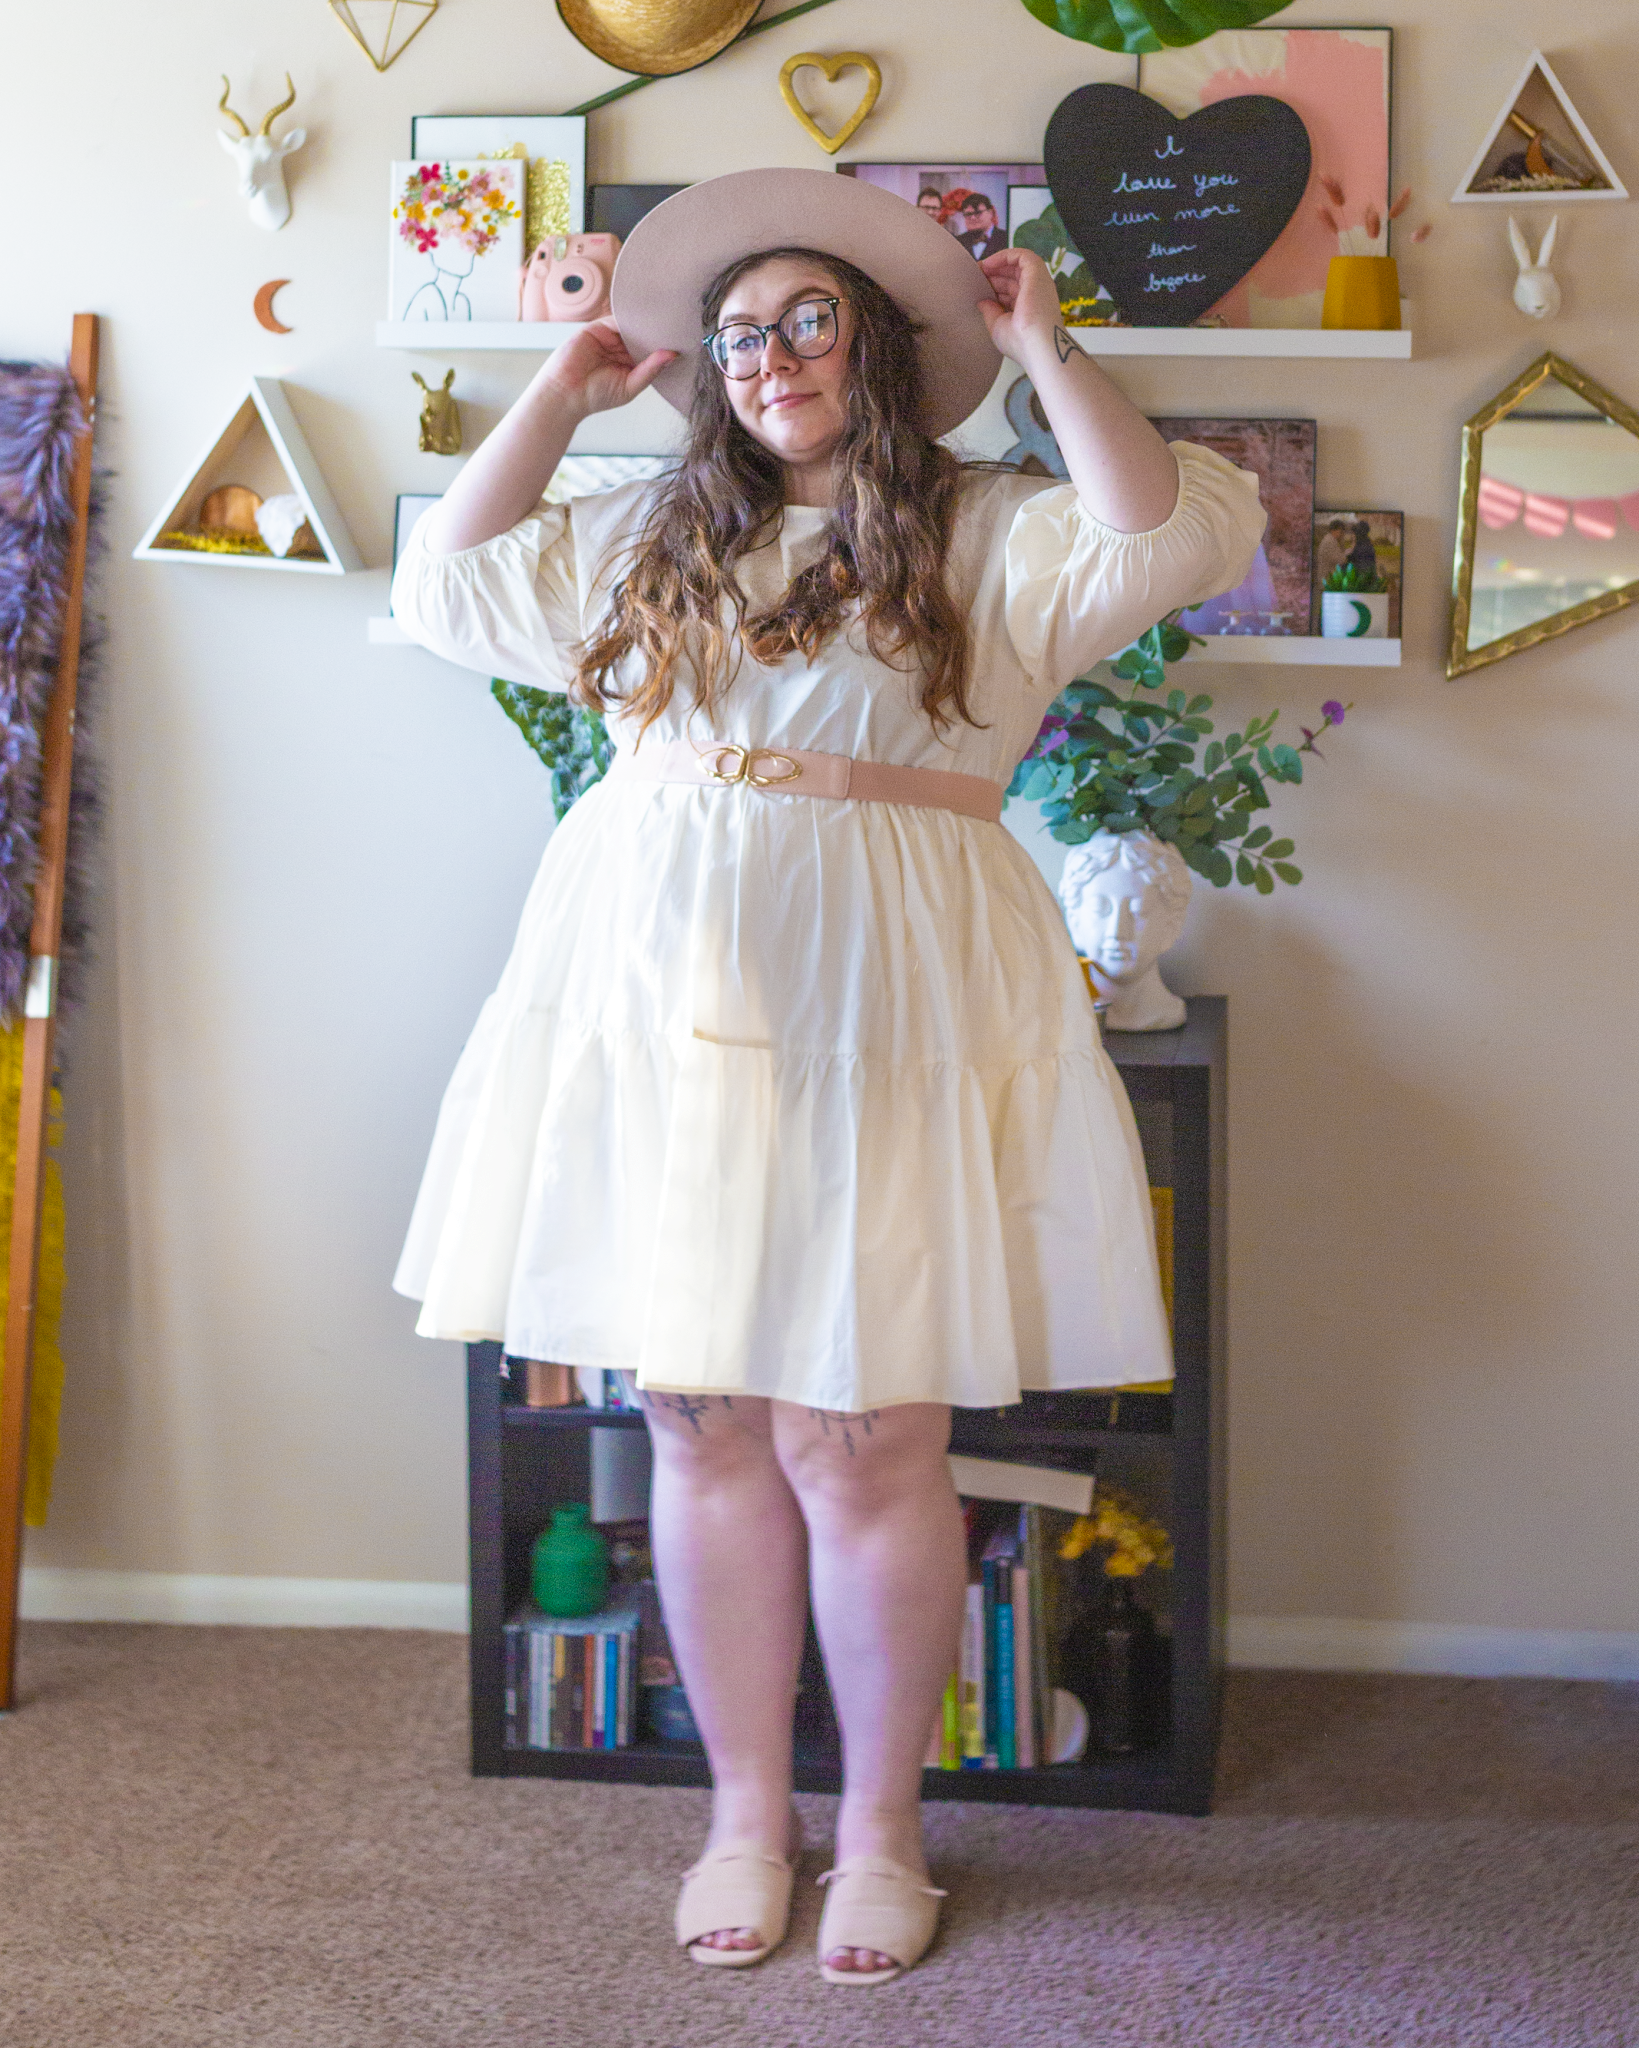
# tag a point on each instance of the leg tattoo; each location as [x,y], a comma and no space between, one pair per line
[846,1424]
[690,1406]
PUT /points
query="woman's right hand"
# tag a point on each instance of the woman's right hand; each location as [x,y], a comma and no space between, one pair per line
[594,372]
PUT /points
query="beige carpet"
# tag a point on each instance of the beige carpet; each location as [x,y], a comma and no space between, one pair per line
[269,1837]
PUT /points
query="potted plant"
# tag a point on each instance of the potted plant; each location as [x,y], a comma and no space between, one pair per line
[1354,604]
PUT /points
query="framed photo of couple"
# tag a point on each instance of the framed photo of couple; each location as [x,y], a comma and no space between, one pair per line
[969,199]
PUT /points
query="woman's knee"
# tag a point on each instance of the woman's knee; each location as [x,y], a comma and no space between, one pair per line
[860,1463]
[708,1435]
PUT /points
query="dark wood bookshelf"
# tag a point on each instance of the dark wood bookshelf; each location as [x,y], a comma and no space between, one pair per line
[523,1460]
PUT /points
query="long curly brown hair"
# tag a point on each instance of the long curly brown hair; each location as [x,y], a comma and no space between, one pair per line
[896,496]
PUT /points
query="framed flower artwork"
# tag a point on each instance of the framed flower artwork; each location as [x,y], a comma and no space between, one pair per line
[457,240]
[551,147]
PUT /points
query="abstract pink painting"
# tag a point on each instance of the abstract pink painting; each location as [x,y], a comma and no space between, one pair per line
[1337,80]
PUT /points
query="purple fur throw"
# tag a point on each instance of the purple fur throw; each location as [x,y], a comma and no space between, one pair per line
[40,422]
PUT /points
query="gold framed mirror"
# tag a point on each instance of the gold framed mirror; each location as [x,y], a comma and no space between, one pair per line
[1548,514]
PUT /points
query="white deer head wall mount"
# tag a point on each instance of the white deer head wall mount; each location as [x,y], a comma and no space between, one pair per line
[261,160]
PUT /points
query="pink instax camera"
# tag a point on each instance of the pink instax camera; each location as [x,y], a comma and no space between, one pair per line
[567,278]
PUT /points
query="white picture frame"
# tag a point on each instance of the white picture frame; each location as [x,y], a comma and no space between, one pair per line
[408,511]
[554,201]
[464,268]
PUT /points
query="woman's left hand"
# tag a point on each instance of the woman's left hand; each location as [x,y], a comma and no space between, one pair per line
[1026,299]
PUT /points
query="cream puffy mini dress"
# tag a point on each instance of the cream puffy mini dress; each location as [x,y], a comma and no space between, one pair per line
[795,1096]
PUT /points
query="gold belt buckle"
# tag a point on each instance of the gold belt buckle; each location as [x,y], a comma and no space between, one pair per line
[741,759]
[713,763]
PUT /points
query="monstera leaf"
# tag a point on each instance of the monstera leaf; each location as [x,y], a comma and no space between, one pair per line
[1136,26]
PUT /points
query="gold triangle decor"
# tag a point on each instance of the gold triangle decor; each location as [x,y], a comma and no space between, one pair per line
[383,29]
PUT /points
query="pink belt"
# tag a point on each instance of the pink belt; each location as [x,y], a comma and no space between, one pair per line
[793,771]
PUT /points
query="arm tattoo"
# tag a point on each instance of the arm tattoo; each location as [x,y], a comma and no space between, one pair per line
[1066,346]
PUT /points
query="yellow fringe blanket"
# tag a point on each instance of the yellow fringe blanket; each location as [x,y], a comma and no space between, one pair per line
[46,1393]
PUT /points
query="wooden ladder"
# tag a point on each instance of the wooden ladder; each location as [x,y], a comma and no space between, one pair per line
[40,1028]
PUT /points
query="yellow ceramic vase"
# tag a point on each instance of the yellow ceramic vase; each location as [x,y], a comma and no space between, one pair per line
[1361,291]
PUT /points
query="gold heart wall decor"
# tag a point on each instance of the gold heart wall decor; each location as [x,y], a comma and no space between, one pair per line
[845,60]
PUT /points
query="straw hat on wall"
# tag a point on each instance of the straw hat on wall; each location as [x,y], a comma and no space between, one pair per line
[656,38]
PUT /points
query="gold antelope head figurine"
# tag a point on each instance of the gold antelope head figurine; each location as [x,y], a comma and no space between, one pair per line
[440,417]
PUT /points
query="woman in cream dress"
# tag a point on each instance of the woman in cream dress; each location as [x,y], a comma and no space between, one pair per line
[790,1100]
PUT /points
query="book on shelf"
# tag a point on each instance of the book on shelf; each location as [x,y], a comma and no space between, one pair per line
[996,1712]
[571,1682]
[997,1479]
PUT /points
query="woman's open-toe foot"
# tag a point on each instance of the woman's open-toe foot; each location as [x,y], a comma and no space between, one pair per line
[737,1886]
[877,1905]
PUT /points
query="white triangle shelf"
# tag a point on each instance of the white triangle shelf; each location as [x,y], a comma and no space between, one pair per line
[1541,98]
[261,446]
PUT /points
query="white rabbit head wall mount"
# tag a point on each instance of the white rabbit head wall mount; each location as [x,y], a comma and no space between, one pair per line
[1536,289]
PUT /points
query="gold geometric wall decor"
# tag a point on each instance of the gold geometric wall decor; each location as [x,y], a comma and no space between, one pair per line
[383,29]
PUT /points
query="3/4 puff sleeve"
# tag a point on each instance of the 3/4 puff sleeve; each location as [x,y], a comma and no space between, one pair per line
[1078,591]
[508,607]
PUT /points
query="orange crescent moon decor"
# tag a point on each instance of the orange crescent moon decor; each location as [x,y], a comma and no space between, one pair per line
[264,306]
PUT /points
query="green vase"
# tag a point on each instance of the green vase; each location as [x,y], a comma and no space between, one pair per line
[569,1567]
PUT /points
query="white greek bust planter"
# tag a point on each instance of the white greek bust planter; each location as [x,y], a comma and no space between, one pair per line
[1354,615]
[1125,895]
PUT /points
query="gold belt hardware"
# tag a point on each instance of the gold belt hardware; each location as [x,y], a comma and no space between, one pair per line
[742,768]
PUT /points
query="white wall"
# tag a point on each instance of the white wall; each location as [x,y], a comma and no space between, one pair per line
[316,849]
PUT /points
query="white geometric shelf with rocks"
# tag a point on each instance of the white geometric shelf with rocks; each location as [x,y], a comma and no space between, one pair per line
[262,452]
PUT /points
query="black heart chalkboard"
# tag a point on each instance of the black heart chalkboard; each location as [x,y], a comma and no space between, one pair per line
[1170,214]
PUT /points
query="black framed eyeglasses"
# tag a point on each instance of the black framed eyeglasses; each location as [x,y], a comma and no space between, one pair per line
[808,329]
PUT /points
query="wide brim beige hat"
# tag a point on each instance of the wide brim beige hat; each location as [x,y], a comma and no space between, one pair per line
[656,38]
[675,252]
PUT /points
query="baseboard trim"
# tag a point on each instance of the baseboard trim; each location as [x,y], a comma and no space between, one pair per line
[64,1593]
[1457,1650]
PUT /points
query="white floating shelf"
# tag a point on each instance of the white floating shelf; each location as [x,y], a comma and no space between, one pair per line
[444,337]
[1387,344]
[1296,650]
[389,633]
[536,337]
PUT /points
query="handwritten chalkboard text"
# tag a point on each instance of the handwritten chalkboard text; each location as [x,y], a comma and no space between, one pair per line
[1171,214]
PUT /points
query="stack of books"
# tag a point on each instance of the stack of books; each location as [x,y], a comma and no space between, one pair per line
[572,1684]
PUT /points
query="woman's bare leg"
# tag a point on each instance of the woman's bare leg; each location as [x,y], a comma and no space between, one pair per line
[888,1570]
[731,1558]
